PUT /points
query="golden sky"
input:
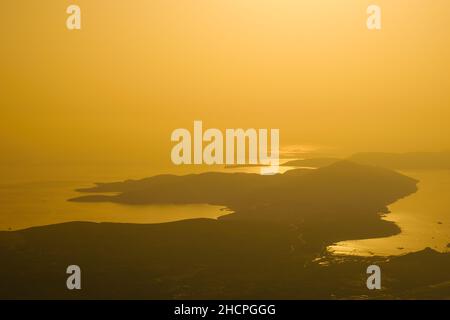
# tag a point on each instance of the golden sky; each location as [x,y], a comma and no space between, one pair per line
[114,91]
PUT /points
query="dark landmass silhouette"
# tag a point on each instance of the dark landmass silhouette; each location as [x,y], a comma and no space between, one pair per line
[346,195]
[396,161]
[272,246]
[202,259]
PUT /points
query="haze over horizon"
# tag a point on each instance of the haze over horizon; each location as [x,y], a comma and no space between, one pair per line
[113,92]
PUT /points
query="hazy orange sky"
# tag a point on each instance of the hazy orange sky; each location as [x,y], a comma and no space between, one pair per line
[114,91]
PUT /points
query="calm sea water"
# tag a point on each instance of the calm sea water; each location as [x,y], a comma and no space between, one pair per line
[424,219]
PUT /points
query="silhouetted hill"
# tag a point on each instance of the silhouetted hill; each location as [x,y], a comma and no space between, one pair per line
[396,161]
[342,186]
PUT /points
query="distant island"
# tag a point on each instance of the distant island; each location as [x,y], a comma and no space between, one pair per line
[396,161]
